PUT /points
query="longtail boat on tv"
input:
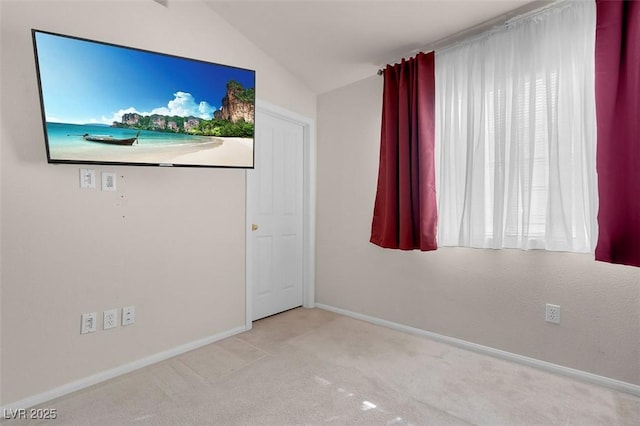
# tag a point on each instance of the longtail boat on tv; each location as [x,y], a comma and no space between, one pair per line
[111,139]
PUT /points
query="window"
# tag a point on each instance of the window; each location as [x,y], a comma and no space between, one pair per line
[515,135]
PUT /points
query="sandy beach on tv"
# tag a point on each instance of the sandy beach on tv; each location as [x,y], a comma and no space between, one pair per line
[212,151]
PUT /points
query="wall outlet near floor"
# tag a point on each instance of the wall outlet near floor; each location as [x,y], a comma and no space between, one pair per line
[109,319]
[88,323]
[552,314]
[128,315]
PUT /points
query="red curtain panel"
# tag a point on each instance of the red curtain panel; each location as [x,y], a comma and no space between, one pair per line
[405,214]
[617,69]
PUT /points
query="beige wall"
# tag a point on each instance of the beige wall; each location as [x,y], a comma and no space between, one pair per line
[173,246]
[493,298]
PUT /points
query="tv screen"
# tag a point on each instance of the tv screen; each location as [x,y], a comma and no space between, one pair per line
[108,104]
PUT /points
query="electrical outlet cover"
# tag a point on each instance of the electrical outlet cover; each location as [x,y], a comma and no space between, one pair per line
[108,181]
[552,313]
[109,319]
[128,315]
[88,323]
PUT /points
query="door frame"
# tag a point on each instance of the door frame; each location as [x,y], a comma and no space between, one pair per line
[308,214]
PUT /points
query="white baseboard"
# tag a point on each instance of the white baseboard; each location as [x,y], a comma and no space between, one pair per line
[127,368]
[118,371]
[531,362]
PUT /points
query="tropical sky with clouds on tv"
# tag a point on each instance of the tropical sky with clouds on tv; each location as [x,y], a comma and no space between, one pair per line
[90,82]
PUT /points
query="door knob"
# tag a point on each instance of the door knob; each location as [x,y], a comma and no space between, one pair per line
[254,227]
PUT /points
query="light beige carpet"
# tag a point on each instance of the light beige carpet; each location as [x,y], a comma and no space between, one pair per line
[309,366]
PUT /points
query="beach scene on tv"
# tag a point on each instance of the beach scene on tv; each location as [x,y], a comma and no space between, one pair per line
[105,103]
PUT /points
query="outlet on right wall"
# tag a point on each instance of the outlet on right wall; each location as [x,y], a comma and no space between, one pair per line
[495,298]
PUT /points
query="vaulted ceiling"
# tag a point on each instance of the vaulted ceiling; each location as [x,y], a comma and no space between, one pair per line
[331,43]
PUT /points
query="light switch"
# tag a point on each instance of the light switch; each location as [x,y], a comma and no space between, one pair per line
[108,181]
[87,178]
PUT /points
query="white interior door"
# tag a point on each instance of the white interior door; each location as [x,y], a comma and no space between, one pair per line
[276,189]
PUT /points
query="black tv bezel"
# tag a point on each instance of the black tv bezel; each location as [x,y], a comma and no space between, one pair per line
[129,163]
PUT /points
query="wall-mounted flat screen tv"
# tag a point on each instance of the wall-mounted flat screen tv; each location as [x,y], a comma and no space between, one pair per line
[108,104]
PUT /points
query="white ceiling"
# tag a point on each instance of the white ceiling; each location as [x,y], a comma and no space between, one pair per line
[328,44]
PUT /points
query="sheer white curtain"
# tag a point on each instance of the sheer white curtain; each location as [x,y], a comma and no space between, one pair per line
[515,135]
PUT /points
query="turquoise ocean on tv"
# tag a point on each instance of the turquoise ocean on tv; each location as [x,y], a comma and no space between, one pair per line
[66,143]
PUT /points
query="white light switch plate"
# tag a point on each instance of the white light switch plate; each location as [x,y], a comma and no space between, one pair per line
[108,181]
[87,178]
